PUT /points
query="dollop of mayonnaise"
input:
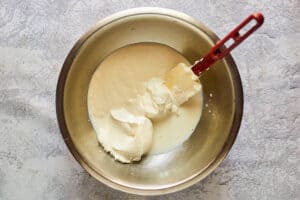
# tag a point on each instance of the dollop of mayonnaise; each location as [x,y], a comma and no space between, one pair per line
[157,101]
[127,131]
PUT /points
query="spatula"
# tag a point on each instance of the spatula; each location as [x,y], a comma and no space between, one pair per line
[219,51]
[183,80]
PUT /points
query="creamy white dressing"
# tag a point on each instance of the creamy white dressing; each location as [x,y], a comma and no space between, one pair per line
[139,103]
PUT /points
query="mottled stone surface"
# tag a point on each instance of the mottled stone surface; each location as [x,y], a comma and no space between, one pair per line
[35,37]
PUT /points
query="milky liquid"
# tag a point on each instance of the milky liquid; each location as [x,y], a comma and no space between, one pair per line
[121,76]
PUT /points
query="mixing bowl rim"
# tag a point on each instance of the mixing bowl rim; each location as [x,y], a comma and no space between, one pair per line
[238,100]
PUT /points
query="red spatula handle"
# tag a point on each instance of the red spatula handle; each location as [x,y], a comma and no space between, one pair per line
[219,50]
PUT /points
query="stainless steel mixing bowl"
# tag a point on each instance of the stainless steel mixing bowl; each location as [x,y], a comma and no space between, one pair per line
[214,135]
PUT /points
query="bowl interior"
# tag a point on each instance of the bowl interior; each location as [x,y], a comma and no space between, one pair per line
[188,163]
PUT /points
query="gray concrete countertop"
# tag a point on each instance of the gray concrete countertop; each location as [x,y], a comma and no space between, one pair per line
[35,37]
